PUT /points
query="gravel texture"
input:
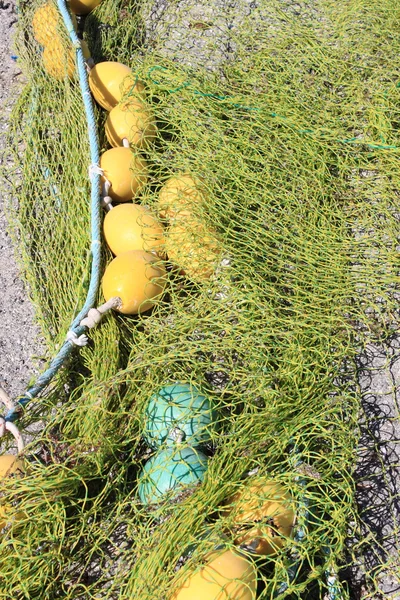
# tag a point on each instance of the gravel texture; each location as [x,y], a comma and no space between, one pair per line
[19,341]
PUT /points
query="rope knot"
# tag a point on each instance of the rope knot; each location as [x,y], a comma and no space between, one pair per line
[77,340]
[95,169]
[106,202]
[93,317]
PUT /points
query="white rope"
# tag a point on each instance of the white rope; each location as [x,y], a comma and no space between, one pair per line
[95,170]
[106,187]
[77,340]
[6,400]
[106,200]
[95,315]
[6,426]
[177,435]
[106,203]
[92,319]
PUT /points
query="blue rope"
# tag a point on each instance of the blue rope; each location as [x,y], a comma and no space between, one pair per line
[44,379]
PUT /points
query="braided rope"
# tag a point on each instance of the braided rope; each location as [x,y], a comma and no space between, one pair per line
[45,378]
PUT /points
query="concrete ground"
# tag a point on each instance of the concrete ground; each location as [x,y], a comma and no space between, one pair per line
[378,471]
[19,341]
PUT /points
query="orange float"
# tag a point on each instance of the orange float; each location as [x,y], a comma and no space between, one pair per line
[83,7]
[126,172]
[263,516]
[109,81]
[131,120]
[179,197]
[132,227]
[138,278]
[10,465]
[59,61]
[45,22]
[193,248]
[226,576]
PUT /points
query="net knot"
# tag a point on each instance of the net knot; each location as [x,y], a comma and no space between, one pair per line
[95,169]
[77,340]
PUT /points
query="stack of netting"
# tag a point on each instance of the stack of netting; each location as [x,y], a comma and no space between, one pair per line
[288,114]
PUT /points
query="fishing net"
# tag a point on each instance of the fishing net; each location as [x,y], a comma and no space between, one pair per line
[288,114]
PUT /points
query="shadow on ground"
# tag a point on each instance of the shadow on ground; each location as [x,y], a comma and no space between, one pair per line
[376,572]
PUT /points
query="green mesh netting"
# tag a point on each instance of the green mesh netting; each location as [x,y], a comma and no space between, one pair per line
[288,113]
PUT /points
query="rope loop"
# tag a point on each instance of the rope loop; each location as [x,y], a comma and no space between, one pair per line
[7,426]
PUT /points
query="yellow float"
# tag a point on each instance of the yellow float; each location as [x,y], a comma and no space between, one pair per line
[10,465]
[110,81]
[45,21]
[193,248]
[59,61]
[263,516]
[125,172]
[138,278]
[226,576]
[179,197]
[133,227]
[83,7]
[131,120]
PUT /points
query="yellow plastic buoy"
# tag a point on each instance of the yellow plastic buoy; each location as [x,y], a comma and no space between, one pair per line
[179,196]
[59,61]
[138,278]
[83,7]
[226,576]
[126,172]
[133,227]
[110,81]
[45,21]
[193,248]
[10,465]
[131,120]
[263,511]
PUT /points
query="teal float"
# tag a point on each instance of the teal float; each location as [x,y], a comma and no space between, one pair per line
[171,471]
[179,413]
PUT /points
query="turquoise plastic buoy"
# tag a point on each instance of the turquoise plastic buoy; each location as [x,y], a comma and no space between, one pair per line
[171,469]
[179,412]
